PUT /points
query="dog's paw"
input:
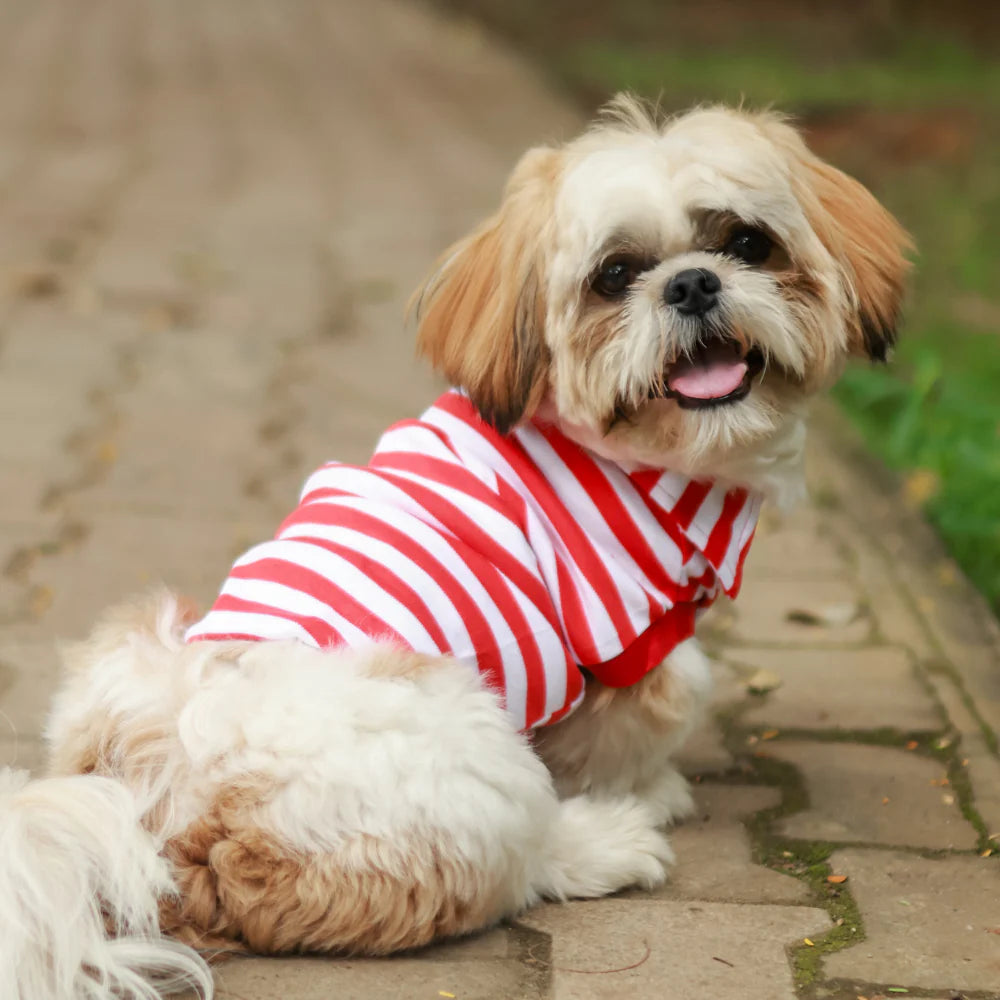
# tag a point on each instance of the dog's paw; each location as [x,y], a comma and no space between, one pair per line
[599,846]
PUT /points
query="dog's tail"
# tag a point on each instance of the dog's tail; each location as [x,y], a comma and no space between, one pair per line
[79,885]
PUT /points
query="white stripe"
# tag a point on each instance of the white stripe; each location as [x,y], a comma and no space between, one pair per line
[743,525]
[538,529]
[367,484]
[417,441]
[442,551]
[706,517]
[291,600]
[358,584]
[439,604]
[602,629]
[665,549]
[252,623]
[502,530]
[629,578]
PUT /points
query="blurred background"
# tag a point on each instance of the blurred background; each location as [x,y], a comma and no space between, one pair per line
[904,95]
[213,212]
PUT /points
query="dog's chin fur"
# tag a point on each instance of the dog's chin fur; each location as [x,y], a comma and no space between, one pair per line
[372,801]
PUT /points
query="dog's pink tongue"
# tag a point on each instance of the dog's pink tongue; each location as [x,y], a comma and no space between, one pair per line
[716,373]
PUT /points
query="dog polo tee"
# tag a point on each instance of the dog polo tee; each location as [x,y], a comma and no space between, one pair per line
[525,556]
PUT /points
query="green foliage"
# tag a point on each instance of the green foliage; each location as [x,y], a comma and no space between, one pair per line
[918,72]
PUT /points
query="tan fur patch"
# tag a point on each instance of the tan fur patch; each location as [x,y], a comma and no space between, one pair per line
[867,242]
[241,887]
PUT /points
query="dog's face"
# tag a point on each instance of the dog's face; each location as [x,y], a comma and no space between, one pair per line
[668,293]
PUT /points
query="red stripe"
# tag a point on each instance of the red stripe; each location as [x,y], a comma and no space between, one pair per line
[462,525]
[690,500]
[290,574]
[388,580]
[649,650]
[582,552]
[666,520]
[608,502]
[571,607]
[722,533]
[738,578]
[480,633]
[225,637]
[494,561]
[321,632]
[588,562]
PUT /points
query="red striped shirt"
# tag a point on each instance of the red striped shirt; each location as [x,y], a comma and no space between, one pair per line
[525,556]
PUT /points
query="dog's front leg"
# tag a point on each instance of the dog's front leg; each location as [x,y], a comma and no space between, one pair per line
[622,740]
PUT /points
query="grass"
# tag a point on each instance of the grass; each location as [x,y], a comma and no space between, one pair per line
[919,117]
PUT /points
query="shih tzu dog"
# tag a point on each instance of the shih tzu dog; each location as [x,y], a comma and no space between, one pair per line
[480,653]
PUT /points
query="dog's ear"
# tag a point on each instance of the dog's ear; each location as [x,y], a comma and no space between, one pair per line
[871,248]
[481,314]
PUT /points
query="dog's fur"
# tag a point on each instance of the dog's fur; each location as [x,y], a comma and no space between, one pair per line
[275,798]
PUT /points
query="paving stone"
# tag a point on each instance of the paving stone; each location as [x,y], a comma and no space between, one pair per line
[872,794]
[490,966]
[841,689]
[798,546]
[227,230]
[713,851]
[126,553]
[930,924]
[695,950]
[705,752]
[760,614]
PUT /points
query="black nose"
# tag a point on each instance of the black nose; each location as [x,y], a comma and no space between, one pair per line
[693,291]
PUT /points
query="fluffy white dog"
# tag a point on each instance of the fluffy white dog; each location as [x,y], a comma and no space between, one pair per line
[479,653]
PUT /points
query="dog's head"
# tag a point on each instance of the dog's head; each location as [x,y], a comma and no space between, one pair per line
[668,292]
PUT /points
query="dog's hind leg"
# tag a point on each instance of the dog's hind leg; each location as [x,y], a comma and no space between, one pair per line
[598,846]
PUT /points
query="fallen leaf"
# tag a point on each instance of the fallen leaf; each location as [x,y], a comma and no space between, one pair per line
[762,681]
[808,942]
[986,853]
[943,743]
[836,879]
[885,801]
[993,930]
[769,734]
[948,800]
[830,616]
[897,989]
[443,993]
[912,745]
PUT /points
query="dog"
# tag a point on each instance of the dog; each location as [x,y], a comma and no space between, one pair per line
[453,684]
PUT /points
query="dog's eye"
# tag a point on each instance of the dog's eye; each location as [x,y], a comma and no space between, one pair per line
[613,278]
[752,246]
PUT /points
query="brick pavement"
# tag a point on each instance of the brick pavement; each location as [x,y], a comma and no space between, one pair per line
[211,214]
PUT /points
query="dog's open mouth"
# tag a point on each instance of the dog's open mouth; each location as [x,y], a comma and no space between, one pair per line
[719,371]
